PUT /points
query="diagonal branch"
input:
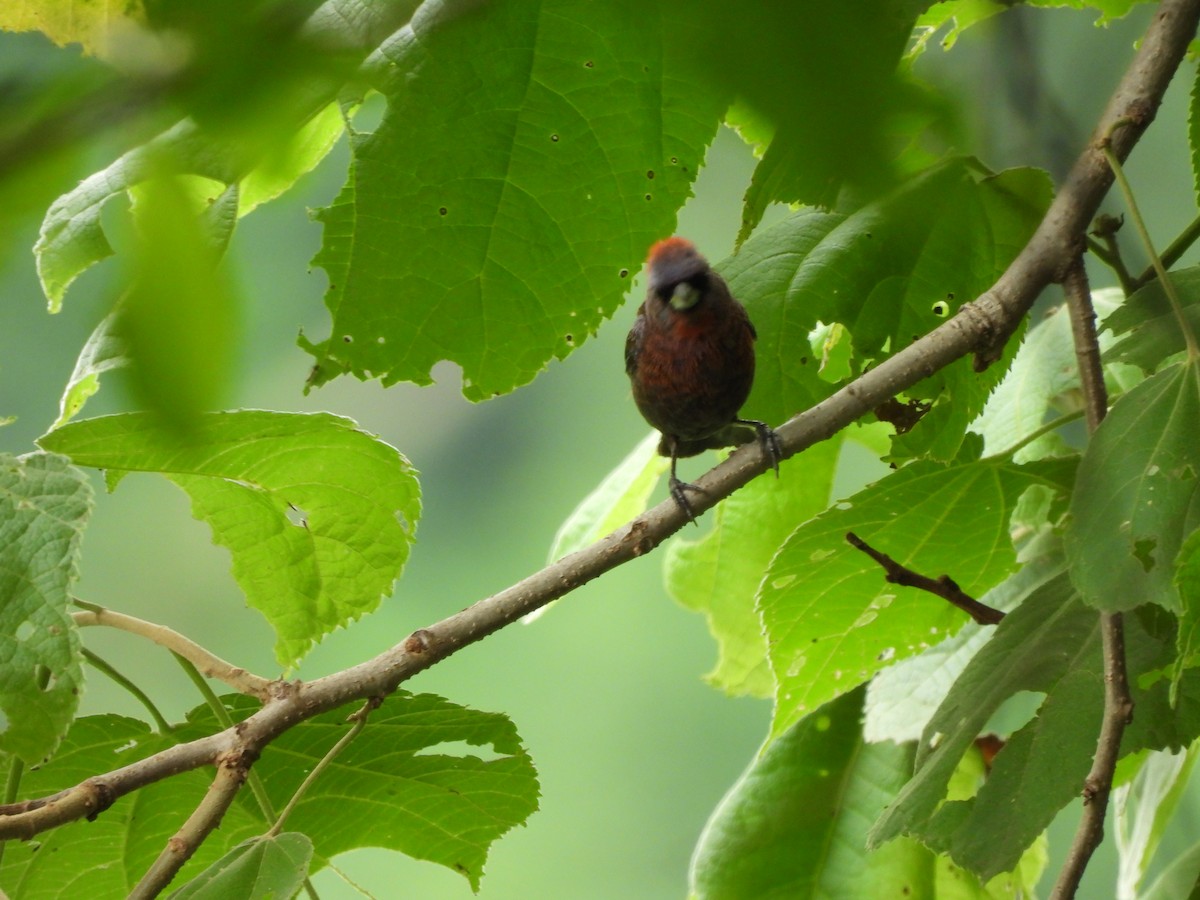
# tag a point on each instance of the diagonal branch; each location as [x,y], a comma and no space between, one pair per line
[980,327]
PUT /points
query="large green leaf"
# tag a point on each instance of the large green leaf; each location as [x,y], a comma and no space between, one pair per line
[832,620]
[795,823]
[1136,498]
[319,516]
[719,574]
[889,273]
[44,506]
[1049,644]
[1187,582]
[395,786]
[529,156]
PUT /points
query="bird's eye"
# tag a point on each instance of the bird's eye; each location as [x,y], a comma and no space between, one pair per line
[941,309]
[685,296]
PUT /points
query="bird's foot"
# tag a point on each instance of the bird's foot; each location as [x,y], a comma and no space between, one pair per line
[679,491]
[768,440]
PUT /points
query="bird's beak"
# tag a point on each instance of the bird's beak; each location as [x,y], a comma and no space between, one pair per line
[685,296]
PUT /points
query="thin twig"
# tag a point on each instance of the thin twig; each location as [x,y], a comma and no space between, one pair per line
[1087,346]
[102,665]
[231,772]
[980,327]
[943,586]
[1118,704]
[210,665]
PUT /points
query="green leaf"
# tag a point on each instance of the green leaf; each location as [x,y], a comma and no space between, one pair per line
[556,142]
[262,868]
[1043,377]
[179,319]
[621,496]
[104,350]
[1153,332]
[815,148]
[903,698]
[1135,497]
[44,506]
[886,274]
[1048,644]
[403,784]
[318,515]
[795,823]
[1194,133]
[965,13]
[719,574]
[831,618]
[285,164]
[1143,808]
[89,24]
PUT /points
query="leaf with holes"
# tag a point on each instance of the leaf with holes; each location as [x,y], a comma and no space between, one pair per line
[44,506]
[529,155]
[1136,497]
[831,618]
[318,515]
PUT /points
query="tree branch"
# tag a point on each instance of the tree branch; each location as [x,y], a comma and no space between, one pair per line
[210,665]
[943,586]
[980,327]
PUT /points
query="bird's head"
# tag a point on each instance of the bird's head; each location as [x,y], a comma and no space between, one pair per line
[677,273]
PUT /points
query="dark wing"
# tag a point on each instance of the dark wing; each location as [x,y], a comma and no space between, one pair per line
[633,343]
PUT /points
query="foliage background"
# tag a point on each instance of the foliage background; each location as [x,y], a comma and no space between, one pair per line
[633,749]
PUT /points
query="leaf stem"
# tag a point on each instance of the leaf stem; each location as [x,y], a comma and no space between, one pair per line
[222,716]
[102,665]
[359,719]
[1155,261]
[1174,251]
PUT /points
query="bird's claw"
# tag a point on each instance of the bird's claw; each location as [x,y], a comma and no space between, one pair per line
[768,439]
[679,491]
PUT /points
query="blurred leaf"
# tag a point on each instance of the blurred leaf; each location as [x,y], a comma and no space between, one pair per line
[719,574]
[72,238]
[903,698]
[1154,333]
[1043,373]
[621,496]
[965,13]
[1179,879]
[528,157]
[44,506]
[262,868]
[104,350]
[179,319]
[888,274]
[318,515]
[1048,644]
[840,58]
[831,618]
[1135,498]
[400,785]
[795,823]
[89,23]
[284,165]
[1142,810]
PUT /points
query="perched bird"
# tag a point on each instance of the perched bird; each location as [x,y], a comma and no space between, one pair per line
[690,358]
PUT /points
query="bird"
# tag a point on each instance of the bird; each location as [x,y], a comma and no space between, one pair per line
[690,361]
